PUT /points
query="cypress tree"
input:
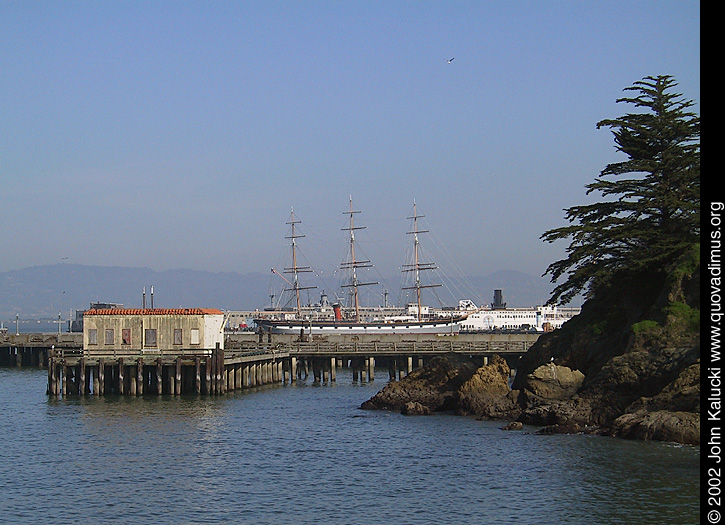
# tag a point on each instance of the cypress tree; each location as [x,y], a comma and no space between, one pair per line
[651,216]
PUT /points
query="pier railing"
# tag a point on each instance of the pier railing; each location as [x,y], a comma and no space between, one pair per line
[393,348]
[113,354]
[132,354]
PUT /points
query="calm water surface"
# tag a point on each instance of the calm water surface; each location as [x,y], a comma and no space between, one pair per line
[307,454]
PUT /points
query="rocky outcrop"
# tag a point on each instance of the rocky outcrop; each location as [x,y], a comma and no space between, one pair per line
[452,383]
[670,415]
[660,425]
[487,394]
[627,366]
[638,349]
[432,388]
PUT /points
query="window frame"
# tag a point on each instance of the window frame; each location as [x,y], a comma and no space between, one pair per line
[150,338]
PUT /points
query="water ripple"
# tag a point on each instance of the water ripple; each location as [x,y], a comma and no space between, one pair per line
[297,454]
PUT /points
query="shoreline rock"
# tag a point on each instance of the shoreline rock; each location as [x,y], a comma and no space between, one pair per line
[433,388]
[513,425]
[554,397]
[413,408]
[487,395]
[627,366]
[661,425]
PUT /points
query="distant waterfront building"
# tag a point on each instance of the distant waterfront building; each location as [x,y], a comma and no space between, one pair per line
[77,324]
[153,330]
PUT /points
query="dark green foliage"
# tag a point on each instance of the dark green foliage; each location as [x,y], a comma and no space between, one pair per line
[644,326]
[652,216]
[685,315]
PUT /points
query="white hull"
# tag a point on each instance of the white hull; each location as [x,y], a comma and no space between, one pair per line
[444,326]
[540,319]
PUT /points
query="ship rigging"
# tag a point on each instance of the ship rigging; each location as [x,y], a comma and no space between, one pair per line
[351,321]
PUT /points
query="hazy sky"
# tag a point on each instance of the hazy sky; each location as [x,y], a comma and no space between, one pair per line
[180,134]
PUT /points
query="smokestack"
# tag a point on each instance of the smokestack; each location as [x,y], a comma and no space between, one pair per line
[498,300]
[152,296]
[143,304]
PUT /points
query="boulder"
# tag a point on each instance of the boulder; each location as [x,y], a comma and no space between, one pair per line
[553,382]
[487,394]
[565,428]
[514,425]
[452,383]
[660,425]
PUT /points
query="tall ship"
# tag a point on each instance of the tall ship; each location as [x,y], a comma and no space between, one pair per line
[415,319]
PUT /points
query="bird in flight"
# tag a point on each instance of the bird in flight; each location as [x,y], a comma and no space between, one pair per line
[450,60]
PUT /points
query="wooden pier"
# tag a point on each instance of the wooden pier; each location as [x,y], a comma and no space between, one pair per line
[244,362]
[214,373]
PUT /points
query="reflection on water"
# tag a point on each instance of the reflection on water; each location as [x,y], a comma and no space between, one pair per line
[306,453]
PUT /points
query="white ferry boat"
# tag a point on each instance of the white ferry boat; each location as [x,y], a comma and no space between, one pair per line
[498,317]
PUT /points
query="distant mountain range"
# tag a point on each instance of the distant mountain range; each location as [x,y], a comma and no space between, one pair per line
[42,292]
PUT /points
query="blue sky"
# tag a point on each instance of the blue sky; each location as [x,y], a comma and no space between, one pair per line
[181,134]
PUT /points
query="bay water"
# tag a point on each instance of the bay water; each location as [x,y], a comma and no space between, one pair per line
[306,453]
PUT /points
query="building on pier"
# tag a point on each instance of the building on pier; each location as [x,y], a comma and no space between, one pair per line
[153,330]
[157,351]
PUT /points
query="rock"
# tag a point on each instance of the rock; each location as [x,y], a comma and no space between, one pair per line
[568,428]
[487,394]
[452,383]
[413,408]
[434,386]
[680,395]
[661,425]
[553,382]
[514,425]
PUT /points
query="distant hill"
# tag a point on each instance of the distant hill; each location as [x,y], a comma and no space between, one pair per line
[44,291]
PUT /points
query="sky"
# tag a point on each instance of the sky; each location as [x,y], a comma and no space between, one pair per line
[181,134]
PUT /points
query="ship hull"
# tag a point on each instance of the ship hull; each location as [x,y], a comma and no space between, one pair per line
[443,326]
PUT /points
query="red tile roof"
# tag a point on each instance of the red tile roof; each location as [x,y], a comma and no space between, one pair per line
[154,311]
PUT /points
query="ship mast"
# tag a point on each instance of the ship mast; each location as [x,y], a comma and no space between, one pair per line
[353,264]
[295,269]
[417,266]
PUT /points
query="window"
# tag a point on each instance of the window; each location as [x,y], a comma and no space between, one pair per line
[126,336]
[150,337]
[194,336]
[177,336]
[109,336]
[92,336]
